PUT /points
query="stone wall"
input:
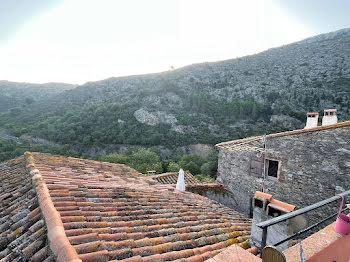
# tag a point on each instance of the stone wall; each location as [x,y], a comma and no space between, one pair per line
[276,233]
[223,197]
[313,166]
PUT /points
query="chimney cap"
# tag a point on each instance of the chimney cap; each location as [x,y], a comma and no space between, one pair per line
[262,195]
[312,114]
[283,204]
[330,110]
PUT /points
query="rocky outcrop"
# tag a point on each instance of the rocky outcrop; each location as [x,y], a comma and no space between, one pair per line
[202,103]
[154,118]
[286,122]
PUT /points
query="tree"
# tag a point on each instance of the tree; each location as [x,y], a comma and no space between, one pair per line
[115,158]
[192,162]
[205,169]
[192,167]
[173,167]
[144,160]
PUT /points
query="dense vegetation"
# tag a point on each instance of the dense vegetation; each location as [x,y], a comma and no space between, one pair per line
[142,160]
[100,124]
[198,104]
[10,149]
[14,94]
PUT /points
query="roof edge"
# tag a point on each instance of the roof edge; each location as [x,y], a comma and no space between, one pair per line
[169,174]
[59,243]
[317,128]
[286,133]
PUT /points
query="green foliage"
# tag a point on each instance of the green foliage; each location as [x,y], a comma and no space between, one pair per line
[100,123]
[213,165]
[115,158]
[9,149]
[205,178]
[192,162]
[142,160]
[173,167]
[205,169]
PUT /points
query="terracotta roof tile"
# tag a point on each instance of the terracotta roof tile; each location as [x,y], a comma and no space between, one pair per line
[171,178]
[103,212]
[22,230]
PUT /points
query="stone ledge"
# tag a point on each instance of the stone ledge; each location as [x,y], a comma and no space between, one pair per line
[325,245]
[234,253]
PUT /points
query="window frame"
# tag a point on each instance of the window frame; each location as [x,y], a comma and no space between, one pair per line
[267,163]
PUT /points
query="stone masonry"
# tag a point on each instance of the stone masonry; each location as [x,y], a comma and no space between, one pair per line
[313,166]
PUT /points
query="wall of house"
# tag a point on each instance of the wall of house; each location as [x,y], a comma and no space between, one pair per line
[222,196]
[276,233]
[313,166]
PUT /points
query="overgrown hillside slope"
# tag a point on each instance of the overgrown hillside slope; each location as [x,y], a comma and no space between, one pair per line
[13,94]
[201,103]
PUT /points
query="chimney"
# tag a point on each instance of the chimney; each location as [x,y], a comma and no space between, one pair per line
[311,120]
[180,185]
[265,207]
[151,172]
[329,117]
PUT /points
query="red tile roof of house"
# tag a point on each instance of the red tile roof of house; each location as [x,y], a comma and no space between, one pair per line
[287,133]
[97,211]
[171,178]
[23,233]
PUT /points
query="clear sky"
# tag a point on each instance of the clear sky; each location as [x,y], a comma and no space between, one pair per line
[76,41]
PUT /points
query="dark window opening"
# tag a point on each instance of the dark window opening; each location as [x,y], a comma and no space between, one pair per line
[259,203]
[274,212]
[272,168]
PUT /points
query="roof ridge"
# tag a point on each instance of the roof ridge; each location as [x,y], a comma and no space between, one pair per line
[285,133]
[170,174]
[59,243]
[307,130]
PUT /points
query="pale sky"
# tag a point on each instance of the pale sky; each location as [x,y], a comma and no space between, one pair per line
[76,41]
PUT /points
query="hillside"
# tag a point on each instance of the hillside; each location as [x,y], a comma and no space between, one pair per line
[13,94]
[201,103]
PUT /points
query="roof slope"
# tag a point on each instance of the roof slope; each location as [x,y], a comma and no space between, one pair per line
[22,228]
[287,133]
[171,178]
[101,212]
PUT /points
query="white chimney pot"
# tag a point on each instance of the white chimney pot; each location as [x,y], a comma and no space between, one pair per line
[180,185]
[329,117]
[311,120]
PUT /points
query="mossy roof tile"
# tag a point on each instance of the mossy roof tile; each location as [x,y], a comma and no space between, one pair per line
[96,211]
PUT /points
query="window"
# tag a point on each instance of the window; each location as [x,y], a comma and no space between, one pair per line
[272,168]
[259,203]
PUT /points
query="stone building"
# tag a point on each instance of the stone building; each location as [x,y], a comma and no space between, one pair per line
[300,167]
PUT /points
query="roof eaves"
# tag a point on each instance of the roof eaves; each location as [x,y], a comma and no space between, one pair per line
[287,133]
[308,130]
[59,242]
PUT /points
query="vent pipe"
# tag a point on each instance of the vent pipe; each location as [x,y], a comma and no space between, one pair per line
[311,120]
[180,185]
[329,117]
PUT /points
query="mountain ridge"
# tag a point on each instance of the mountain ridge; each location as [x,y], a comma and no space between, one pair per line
[17,94]
[201,103]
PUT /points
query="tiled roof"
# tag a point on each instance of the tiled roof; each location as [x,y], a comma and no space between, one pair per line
[206,186]
[23,233]
[97,211]
[287,133]
[171,178]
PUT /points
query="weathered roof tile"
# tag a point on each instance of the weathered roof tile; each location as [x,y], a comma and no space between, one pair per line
[103,212]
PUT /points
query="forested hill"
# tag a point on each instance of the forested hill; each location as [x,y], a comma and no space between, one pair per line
[14,94]
[201,103]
